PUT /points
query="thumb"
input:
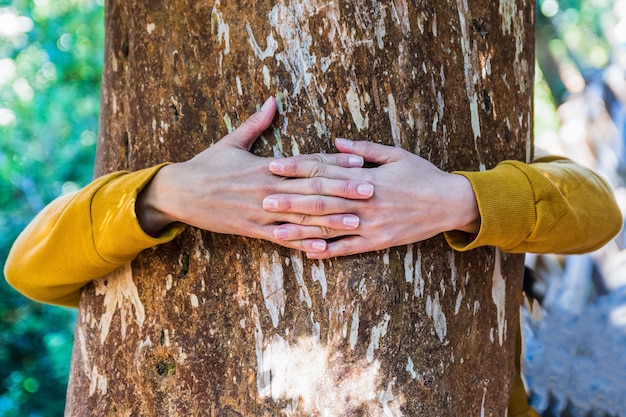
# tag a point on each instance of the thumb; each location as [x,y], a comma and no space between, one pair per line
[370,151]
[245,135]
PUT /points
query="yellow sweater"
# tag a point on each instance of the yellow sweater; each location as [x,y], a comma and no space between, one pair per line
[551,205]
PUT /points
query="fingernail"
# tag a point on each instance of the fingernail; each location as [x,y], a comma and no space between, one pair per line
[270,203]
[277,167]
[355,161]
[344,142]
[366,190]
[281,233]
[351,221]
[266,105]
[319,245]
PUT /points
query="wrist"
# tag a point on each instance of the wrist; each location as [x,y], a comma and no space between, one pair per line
[150,208]
[463,201]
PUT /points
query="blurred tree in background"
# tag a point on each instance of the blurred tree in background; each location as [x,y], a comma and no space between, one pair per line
[50,66]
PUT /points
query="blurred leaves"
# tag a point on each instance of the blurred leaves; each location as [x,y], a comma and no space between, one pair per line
[50,69]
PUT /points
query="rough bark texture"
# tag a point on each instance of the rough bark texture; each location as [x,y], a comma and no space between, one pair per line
[227,326]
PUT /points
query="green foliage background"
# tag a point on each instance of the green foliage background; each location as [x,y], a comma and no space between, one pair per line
[50,66]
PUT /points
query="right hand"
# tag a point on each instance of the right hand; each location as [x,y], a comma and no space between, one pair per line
[222,190]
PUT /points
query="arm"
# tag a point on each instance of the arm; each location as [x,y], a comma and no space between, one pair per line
[87,234]
[79,237]
[551,205]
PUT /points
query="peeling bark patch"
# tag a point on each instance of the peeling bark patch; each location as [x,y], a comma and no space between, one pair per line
[394,121]
[470,68]
[315,380]
[298,270]
[119,291]
[459,299]
[262,378]
[354,328]
[270,49]
[97,382]
[271,275]
[409,269]
[221,29]
[355,105]
[378,331]
[318,274]
[419,278]
[410,368]
[386,400]
[439,319]
[434,311]
[498,293]
[453,271]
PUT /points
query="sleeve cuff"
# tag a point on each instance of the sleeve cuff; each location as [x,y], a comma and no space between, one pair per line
[506,203]
[118,237]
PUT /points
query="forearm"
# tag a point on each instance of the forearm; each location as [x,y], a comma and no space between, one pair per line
[550,206]
[80,237]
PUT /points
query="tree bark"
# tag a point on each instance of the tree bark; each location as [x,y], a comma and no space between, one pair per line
[228,326]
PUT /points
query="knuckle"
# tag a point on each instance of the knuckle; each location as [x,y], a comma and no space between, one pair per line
[326,232]
[291,167]
[317,170]
[317,185]
[304,219]
[346,247]
[319,205]
[347,188]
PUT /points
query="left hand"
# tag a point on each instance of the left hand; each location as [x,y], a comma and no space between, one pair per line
[413,200]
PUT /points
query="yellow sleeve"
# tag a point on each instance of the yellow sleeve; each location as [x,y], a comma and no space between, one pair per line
[81,236]
[552,205]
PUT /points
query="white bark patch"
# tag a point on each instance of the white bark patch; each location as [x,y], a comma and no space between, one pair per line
[270,48]
[439,319]
[298,269]
[119,291]
[453,271]
[355,105]
[267,80]
[139,352]
[314,380]
[83,349]
[97,382]
[394,121]
[271,275]
[219,25]
[262,377]
[318,275]
[459,300]
[239,88]
[150,28]
[419,278]
[354,328]
[378,331]
[410,368]
[386,400]
[409,269]
[401,9]
[498,294]
[471,68]
[194,300]
[482,407]
[380,30]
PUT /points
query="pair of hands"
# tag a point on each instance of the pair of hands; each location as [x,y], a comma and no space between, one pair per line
[323,204]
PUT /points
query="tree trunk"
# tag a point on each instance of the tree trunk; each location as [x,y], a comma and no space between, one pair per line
[228,326]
